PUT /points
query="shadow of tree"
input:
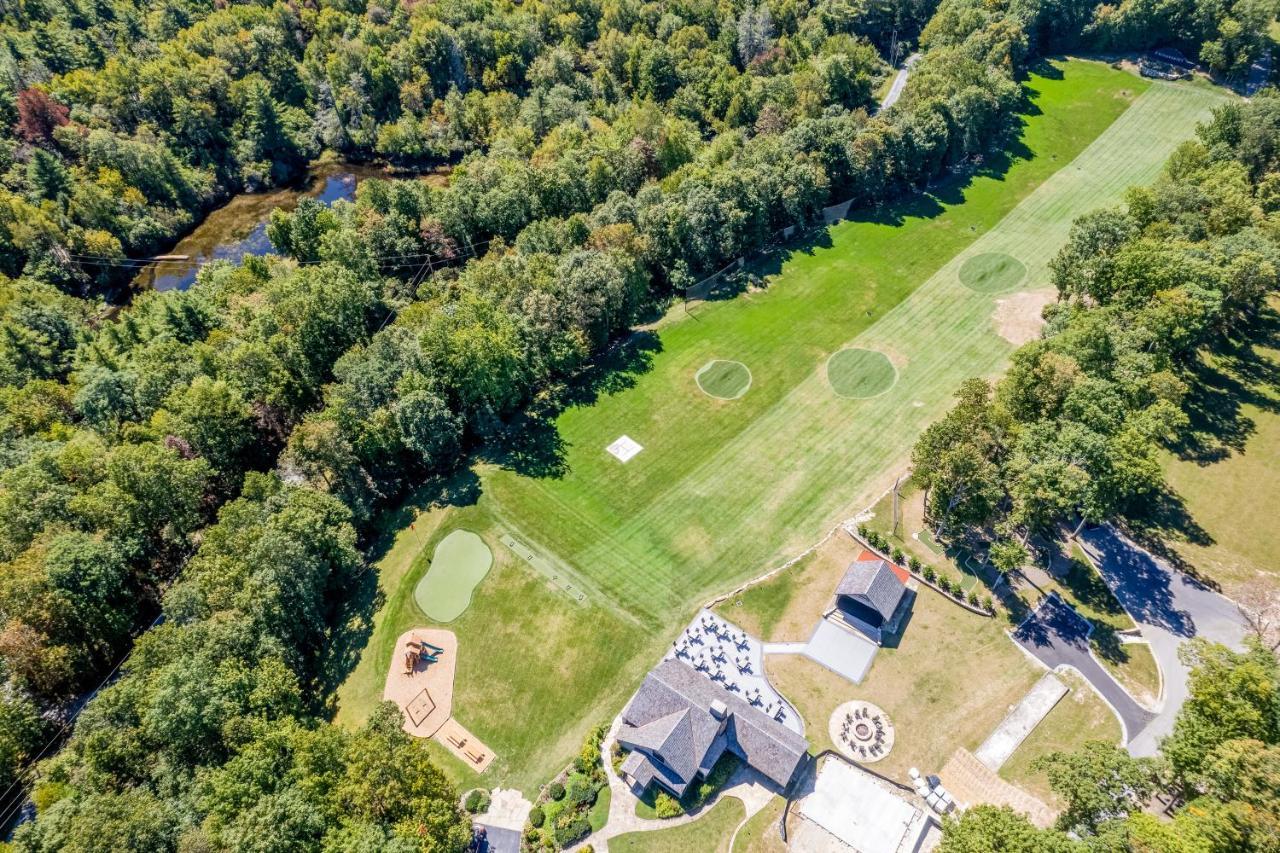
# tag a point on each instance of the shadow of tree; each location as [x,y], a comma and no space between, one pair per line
[530,443]
[361,595]
[1239,375]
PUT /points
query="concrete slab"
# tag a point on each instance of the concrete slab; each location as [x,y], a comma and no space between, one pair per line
[843,652]
[855,808]
[1020,722]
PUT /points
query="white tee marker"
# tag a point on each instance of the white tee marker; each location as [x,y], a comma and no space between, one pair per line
[624,448]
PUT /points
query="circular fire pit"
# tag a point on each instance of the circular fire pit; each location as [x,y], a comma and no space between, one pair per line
[862,731]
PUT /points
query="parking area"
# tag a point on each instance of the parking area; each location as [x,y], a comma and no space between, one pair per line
[1057,635]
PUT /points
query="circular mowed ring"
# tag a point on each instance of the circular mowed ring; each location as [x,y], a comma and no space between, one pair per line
[860,373]
[992,272]
[724,380]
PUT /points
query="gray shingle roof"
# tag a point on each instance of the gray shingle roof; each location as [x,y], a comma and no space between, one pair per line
[873,583]
[672,687]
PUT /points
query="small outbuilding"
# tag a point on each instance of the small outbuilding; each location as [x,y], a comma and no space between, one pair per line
[872,596]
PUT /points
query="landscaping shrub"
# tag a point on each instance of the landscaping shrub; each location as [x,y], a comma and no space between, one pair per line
[588,759]
[897,555]
[570,828]
[973,598]
[988,604]
[580,792]
[930,574]
[555,791]
[666,806]
[537,817]
[477,801]
[862,531]
[913,563]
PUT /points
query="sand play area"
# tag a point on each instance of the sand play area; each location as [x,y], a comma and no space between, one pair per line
[423,689]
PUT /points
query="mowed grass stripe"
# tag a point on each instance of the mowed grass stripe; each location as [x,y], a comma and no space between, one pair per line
[716,492]
[941,333]
[787,331]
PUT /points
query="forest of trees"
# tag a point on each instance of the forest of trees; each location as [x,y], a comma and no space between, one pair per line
[1073,431]
[192,478]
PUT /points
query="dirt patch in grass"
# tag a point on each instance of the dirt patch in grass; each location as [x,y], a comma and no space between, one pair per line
[1018,318]
[1079,717]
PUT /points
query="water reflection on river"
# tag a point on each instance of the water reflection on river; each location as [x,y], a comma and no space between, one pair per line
[239,227]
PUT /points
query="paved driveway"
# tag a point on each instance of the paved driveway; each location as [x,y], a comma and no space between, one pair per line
[1058,636]
[1170,608]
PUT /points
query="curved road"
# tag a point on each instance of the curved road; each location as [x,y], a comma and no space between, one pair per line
[1169,608]
[1059,636]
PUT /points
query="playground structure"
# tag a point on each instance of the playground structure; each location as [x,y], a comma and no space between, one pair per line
[420,681]
[420,678]
[420,653]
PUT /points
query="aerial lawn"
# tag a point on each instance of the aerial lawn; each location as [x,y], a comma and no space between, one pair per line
[723,488]
[1220,521]
[535,669]
[1079,717]
[949,683]
[710,832]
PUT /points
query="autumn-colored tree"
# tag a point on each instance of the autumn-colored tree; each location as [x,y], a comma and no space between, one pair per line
[38,115]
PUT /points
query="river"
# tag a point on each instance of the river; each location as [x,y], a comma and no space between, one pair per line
[239,227]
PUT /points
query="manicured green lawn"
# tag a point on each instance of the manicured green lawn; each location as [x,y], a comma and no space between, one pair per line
[535,669]
[722,489]
[1079,717]
[461,560]
[710,833]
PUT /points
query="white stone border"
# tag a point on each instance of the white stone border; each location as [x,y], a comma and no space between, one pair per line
[707,366]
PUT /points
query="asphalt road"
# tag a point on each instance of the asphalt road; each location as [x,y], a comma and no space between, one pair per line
[899,83]
[1170,608]
[1058,636]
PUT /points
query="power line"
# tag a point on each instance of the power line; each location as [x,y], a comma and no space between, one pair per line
[27,774]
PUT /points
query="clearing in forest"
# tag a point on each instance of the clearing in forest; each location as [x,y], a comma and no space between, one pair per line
[726,490]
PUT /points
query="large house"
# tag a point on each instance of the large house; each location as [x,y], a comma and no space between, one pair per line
[872,596]
[679,723]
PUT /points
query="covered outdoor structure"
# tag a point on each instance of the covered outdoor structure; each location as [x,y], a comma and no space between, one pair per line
[871,596]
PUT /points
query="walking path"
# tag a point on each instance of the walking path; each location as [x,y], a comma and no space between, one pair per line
[1169,608]
[899,83]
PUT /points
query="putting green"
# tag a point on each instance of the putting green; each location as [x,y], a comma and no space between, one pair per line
[992,272]
[459,563]
[724,380]
[860,373]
